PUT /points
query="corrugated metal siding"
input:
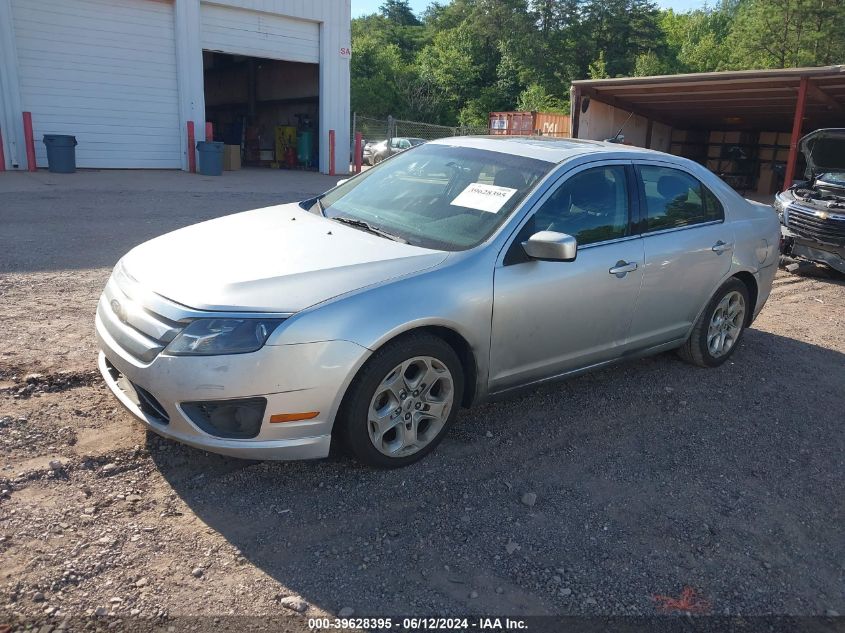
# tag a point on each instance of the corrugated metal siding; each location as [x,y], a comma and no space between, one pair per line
[104,71]
[245,32]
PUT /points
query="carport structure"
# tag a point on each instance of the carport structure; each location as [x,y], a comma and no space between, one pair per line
[793,100]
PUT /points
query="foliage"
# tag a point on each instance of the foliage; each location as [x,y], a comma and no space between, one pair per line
[535,99]
[461,59]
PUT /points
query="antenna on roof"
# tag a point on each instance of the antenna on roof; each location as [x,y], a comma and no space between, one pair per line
[619,137]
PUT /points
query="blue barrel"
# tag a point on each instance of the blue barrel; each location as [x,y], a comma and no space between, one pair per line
[211,157]
[61,153]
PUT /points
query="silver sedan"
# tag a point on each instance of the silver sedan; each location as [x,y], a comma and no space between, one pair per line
[458,270]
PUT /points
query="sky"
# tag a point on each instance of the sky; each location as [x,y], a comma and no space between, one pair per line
[364,7]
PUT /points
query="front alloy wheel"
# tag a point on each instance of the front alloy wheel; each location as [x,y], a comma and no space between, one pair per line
[411,406]
[402,401]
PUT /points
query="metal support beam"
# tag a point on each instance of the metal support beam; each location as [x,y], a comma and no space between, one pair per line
[819,95]
[796,133]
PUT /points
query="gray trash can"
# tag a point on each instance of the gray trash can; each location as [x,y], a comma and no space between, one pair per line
[211,157]
[61,153]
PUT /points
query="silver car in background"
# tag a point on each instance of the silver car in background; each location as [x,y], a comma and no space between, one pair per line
[460,269]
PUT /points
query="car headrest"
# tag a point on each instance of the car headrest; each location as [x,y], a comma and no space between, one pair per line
[672,187]
[592,190]
[509,177]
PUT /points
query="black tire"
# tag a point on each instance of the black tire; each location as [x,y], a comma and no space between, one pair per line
[695,349]
[352,426]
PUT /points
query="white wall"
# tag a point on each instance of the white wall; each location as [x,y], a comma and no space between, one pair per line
[602,121]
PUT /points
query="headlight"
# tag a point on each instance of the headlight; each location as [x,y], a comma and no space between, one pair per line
[780,204]
[210,337]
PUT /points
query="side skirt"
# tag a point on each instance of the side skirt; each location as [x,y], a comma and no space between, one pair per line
[633,355]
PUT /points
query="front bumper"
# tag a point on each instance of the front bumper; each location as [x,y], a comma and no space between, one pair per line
[293,379]
[796,245]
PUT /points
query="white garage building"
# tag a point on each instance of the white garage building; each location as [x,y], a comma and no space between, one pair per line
[126,76]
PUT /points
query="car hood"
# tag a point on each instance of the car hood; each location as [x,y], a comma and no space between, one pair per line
[276,259]
[824,151]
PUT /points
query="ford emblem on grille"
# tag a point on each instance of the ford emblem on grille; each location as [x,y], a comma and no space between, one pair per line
[118,310]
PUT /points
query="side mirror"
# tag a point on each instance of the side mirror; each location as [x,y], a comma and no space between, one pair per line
[551,246]
[341,181]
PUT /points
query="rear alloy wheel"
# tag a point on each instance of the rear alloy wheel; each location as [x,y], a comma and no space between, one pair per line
[719,328]
[402,401]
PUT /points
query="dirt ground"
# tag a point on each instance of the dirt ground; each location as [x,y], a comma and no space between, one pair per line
[650,477]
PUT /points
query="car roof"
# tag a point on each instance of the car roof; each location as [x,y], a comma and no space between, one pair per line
[547,148]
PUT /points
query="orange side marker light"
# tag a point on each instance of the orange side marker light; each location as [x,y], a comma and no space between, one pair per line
[293,417]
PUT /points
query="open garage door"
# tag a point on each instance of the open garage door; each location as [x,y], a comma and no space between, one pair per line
[104,72]
[262,85]
[254,34]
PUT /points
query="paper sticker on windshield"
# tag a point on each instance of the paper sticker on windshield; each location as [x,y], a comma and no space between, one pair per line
[488,198]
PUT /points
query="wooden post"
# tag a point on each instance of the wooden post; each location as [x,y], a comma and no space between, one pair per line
[575,100]
[797,123]
[331,152]
[209,131]
[192,150]
[30,142]
[358,151]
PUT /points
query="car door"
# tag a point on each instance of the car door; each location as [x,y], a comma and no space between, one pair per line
[552,317]
[688,250]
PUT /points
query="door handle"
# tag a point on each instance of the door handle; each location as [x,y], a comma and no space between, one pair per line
[720,247]
[622,268]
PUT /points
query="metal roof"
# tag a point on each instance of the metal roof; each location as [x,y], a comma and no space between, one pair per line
[744,99]
[546,148]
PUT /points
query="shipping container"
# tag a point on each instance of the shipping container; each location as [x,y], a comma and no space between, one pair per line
[529,123]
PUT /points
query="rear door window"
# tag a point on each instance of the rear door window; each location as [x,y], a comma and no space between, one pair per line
[674,199]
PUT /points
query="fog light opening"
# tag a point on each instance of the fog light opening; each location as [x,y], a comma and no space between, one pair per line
[232,419]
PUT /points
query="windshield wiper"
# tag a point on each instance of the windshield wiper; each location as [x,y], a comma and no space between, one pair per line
[361,224]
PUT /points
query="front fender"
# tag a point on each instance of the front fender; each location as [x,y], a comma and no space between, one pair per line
[457,295]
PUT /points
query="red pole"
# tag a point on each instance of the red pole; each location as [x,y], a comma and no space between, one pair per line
[30,142]
[192,157]
[796,133]
[209,131]
[331,152]
[2,153]
[358,151]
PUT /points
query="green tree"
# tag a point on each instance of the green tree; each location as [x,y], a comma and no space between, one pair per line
[648,64]
[788,33]
[598,67]
[399,12]
[535,99]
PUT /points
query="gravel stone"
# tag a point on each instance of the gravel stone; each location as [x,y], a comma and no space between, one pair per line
[294,603]
[529,499]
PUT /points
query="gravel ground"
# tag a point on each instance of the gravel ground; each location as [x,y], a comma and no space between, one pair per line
[592,496]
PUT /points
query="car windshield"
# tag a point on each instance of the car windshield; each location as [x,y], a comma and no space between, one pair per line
[437,196]
[833,177]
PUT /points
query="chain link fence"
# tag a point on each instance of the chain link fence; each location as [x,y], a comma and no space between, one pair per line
[374,131]
[377,130]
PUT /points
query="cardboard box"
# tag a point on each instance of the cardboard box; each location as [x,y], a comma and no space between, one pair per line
[231,157]
[766,183]
[768,138]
